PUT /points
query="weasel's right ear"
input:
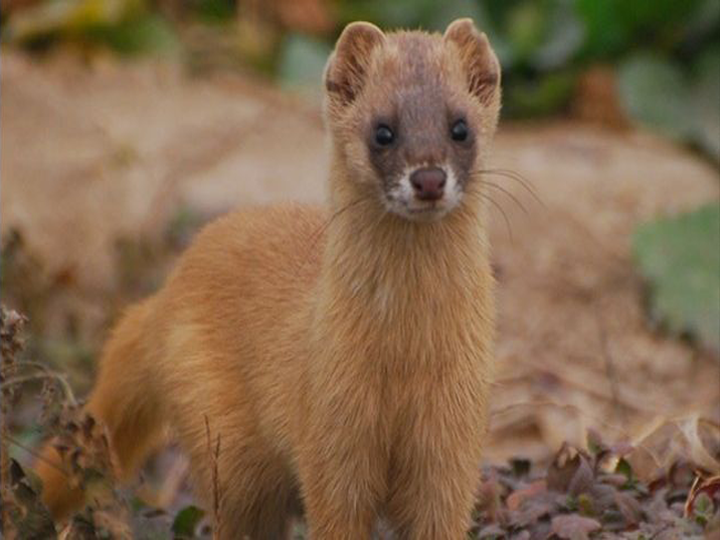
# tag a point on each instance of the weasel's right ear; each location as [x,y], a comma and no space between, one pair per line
[346,69]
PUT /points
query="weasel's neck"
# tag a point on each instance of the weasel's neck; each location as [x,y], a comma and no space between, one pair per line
[380,269]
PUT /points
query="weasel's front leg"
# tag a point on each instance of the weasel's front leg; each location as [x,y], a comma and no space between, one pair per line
[342,468]
[434,502]
[435,470]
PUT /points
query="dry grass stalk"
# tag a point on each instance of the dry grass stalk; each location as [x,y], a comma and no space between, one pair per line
[620,411]
[214,453]
[11,325]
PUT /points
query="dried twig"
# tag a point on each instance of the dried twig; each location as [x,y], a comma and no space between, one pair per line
[12,440]
[11,325]
[58,377]
[38,377]
[214,454]
[610,371]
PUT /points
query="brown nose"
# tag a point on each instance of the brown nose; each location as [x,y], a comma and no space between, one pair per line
[428,183]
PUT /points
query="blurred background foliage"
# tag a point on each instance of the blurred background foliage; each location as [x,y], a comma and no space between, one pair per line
[654,62]
[619,63]
[681,256]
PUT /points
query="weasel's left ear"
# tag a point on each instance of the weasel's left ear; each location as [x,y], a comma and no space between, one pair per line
[479,61]
[346,70]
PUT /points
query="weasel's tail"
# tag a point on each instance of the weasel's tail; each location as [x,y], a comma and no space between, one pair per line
[125,400]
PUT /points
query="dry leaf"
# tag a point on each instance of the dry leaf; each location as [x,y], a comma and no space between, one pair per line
[517,497]
[574,527]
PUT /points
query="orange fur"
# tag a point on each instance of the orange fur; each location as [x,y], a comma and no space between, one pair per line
[343,358]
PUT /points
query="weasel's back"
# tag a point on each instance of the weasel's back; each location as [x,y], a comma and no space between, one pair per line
[244,281]
[231,319]
[270,253]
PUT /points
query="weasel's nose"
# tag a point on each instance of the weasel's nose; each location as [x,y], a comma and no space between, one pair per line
[429,183]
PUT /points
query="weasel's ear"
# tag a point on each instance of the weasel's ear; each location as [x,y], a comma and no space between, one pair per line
[346,69]
[479,61]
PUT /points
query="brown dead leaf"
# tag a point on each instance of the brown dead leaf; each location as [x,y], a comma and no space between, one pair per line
[312,16]
[570,471]
[489,499]
[491,531]
[603,497]
[531,511]
[517,497]
[629,508]
[583,479]
[574,527]
[664,441]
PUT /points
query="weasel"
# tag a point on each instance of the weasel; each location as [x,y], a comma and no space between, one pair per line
[344,356]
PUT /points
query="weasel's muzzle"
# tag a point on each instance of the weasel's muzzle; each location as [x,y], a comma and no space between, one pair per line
[428,183]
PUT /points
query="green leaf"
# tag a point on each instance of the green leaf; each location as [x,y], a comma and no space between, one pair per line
[704,20]
[615,26]
[68,17]
[526,28]
[564,36]
[657,94]
[186,521]
[302,61]
[623,467]
[607,30]
[703,508]
[539,96]
[450,10]
[680,259]
[706,103]
[216,11]
[141,34]
[654,92]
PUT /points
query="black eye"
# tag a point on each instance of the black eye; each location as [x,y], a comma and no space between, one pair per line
[384,135]
[459,131]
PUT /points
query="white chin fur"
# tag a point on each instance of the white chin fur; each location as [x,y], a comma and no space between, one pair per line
[401,199]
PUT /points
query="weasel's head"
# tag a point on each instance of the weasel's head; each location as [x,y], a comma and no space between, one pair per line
[413,114]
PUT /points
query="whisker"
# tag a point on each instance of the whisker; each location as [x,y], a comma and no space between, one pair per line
[506,192]
[519,178]
[315,237]
[486,197]
[514,175]
[335,215]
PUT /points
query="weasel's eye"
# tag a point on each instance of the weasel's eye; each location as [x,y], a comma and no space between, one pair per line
[459,131]
[384,135]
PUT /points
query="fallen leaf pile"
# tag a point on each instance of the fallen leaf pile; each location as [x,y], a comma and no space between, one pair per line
[596,494]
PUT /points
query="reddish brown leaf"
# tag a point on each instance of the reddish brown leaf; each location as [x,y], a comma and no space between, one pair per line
[629,508]
[570,472]
[574,527]
[515,499]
